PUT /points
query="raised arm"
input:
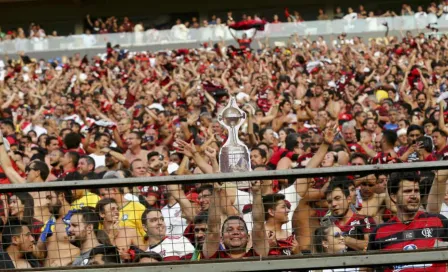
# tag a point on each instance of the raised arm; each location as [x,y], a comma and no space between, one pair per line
[5,162]
[212,238]
[187,209]
[437,192]
[259,239]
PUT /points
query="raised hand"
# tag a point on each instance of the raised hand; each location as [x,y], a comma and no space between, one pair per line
[256,185]
[210,152]
[329,135]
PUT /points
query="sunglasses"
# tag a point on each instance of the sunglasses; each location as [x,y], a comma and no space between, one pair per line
[27,169]
[339,234]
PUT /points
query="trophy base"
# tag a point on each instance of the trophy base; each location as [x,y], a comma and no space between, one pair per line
[234,159]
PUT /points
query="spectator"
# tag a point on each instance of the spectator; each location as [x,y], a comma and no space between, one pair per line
[356,226]
[322,16]
[82,233]
[171,248]
[234,232]
[17,242]
[404,191]
[339,14]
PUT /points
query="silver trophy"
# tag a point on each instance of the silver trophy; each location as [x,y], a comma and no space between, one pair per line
[234,154]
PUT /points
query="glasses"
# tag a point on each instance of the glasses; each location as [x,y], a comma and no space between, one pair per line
[339,234]
[414,135]
[316,144]
[28,168]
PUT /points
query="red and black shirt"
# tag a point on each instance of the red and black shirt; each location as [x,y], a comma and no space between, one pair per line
[421,233]
[357,226]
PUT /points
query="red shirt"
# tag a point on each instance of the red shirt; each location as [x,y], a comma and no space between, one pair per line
[441,155]
[244,43]
[420,233]
[284,247]
[357,226]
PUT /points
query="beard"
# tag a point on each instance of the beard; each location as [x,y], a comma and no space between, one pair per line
[421,105]
[54,209]
[76,242]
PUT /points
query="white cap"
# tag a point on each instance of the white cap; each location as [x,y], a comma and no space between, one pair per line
[156,106]
[172,167]
[402,131]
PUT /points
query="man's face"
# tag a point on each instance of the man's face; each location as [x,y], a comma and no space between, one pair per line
[367,188]
[393,115]
[78,229]
[428,128]
[68,110]
[204,200]
[408,196]
[132,140]
[26,240]
[421,101]
[349,135]
[217,129]
[123,126]
[338,202]
[200,230]
[161,118]
[256,158]
[413,136]
[111,213]
[235,234]
[381,184]
[370,126]
[155,225]
[438,139]
[83,167]
[139,169]
[155,163]
[53,202]
[103,142]
[357,161]
[53,145]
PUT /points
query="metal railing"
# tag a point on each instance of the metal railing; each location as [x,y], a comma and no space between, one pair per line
[281,263]
[180,36]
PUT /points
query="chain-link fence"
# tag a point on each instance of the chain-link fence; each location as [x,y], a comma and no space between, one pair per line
[371,218]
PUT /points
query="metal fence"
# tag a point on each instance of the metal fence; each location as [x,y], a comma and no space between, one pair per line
[280,263]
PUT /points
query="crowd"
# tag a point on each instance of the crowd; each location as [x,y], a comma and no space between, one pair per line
[113,24]
[309,104]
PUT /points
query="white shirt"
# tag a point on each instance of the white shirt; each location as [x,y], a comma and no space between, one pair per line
[444,210]
[173,246]
[175,224]
[100,160]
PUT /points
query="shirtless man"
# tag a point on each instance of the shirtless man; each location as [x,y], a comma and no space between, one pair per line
[54,245]
[374,200]
[135,151]
[311,193]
